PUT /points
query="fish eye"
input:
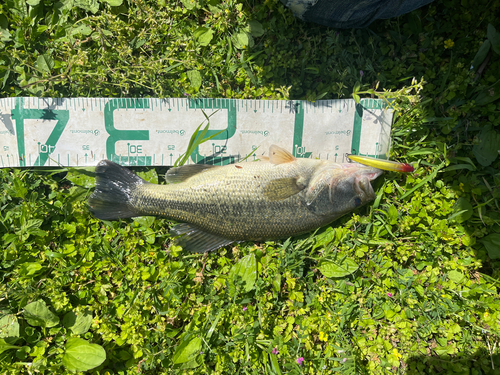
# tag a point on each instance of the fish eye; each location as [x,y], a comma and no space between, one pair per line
[357,202]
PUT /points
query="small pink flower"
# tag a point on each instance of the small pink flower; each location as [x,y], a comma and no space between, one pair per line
[389,294]
[275,351]
[300,360]
[245,308]
[344,360]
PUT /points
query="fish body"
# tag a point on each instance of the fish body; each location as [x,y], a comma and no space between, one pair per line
[271,199]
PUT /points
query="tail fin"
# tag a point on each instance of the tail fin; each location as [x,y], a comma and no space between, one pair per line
[114,187]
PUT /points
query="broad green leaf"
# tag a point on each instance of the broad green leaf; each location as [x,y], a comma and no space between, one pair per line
[53,254]
[189,4]
[392,214]
[190,364]
[82,177]
[144,221]
[489,146]
[242,40]
[80,355]
[29,269]
[79,323]
[81,29]
[494,38]
[256,28]
[324,238]
[150,236]
[194,77]
[32,225]
[114,3]
[7,72]
[187,350]
[5,346]
[488,95]
[45,63]
[420,290]
[456,276]
[4,35]
[19,190]
[481,54]
[331,268]
[277,282]
[492,244]
[204,35]
[37,314]
[9,326]
[462,210]
[243,273]
[88,5]
[33,2]
[149,176]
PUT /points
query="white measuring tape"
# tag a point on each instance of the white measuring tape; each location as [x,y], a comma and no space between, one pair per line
[148,132]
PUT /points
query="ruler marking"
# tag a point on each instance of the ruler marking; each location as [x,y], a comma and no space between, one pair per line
[250,106]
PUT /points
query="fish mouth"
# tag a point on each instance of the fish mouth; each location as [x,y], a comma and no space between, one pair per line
[363,185]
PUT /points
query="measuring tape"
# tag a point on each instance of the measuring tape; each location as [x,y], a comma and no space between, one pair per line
[154,132]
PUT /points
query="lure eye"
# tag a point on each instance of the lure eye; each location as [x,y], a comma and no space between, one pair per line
[357,202]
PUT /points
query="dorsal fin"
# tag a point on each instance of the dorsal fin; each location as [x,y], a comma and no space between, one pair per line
[277,155]
[182,173]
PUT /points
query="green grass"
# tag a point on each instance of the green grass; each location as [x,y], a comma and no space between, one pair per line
[420,294]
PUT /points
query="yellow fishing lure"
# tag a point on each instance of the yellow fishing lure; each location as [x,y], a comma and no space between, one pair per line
[386,165]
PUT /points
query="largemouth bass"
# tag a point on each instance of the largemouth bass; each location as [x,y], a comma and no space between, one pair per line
[278,197]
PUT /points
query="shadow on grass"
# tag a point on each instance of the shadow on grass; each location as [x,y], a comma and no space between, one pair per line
[481,362]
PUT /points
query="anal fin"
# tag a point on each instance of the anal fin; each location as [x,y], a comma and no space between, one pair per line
[195,240]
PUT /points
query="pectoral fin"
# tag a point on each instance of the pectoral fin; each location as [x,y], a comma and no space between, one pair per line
[179,174]
[195,240]
[283,188]
[277,155]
